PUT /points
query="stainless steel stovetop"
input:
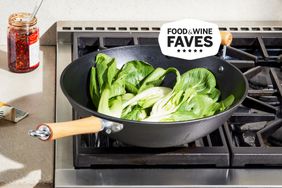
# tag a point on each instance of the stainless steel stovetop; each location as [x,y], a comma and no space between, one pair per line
[65,173]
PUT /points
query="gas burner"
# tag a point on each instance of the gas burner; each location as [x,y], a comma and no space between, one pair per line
[257,130]
[246,132]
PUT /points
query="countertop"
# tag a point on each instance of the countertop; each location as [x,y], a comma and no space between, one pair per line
[26,161]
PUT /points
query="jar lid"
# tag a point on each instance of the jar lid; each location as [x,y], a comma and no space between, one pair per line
[21,19]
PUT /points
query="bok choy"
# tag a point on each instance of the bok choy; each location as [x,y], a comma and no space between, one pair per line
[134,92]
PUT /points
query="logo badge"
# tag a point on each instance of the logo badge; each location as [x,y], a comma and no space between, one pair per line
[189,39]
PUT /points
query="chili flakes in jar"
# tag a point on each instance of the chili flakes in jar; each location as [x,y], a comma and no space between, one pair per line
[23,43]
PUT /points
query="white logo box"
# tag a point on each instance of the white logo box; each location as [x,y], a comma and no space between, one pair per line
[189,39]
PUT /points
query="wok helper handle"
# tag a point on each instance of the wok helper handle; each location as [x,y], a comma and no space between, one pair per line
[52,131]
[226,38]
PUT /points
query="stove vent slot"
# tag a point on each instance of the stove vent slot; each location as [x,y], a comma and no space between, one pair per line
[111,28]
[67,28]
[89,28]
[156,28]
[255,29]
[133,28]
[277,28]
[233,29]
[77,28]
[223,29]
[266,28]
[145,28]
[245,29]
[122,28]
[100,28]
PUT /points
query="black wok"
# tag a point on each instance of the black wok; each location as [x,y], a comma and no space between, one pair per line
[75,85]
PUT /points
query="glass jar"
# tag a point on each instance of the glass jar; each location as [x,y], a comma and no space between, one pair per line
[23,43]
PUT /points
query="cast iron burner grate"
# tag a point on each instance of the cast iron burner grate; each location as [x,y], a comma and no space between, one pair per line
[240,142]
[98,151]
[254,131]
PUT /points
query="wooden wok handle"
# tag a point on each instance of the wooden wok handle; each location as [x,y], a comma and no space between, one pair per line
[226,38]
[52,131]
[76,127]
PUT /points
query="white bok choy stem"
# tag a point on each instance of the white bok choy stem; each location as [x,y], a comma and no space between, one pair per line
[148,97]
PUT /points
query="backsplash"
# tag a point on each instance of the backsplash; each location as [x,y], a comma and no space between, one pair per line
[220,10]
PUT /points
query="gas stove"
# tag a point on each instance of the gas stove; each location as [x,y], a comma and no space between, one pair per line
[246,150]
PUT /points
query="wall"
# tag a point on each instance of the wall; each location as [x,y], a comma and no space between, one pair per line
[54,10]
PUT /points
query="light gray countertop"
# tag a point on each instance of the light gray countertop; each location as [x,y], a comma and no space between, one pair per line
[25,161]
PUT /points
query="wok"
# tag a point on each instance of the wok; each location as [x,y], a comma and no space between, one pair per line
[75,85]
